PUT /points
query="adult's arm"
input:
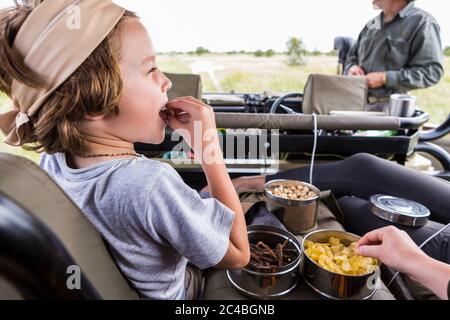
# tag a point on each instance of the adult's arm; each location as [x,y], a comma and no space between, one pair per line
[425,67]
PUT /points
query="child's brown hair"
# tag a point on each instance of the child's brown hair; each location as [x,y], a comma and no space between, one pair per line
[94,88]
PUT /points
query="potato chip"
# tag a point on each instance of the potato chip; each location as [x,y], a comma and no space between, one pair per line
[334,256]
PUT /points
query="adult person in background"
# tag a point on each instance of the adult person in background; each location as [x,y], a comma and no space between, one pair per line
[398,51]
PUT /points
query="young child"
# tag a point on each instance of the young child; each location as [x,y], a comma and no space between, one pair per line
[83,97]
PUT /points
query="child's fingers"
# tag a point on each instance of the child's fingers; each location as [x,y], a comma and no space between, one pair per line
[179,120]
[191,99]
[183,117]
[174,123]
[188,105]
[196,101]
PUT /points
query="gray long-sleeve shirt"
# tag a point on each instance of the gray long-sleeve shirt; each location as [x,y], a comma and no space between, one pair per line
[408,48]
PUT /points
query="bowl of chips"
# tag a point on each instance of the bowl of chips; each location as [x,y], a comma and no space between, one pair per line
[294,202]
[273,270]
[332,267]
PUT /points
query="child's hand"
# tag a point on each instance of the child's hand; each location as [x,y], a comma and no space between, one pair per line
[196,123]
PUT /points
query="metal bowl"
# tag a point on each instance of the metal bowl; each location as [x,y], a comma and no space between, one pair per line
[299,216]
[268,284]
[334,285]
[402,105]
[288,202]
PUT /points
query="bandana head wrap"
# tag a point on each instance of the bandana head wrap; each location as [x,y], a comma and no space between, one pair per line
[55,39]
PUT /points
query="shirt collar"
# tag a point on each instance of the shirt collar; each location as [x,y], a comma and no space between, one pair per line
[406,11]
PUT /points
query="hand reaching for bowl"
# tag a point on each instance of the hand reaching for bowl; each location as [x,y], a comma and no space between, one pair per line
[396,249]
[392,246]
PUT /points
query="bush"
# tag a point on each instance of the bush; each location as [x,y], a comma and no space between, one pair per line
[296,52]
[268,53]
[258,53]
[447,51]
[200,50]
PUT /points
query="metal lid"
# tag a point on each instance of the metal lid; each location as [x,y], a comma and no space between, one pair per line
[398,210]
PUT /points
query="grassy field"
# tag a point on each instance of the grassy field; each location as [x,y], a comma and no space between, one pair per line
[246,73]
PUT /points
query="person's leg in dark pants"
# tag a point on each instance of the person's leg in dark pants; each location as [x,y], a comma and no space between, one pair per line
[360,220]
[194,282]
[364,175]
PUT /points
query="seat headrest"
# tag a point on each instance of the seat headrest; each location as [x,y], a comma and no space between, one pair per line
[185,85]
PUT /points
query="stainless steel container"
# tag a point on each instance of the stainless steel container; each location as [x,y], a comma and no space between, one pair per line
[402,105]
[333,285]
[268,284]
[398,210]
[298,216]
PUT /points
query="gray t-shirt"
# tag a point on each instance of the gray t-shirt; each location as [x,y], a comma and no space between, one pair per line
[152,221]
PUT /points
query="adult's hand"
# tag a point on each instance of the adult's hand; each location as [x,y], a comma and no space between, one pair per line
[392,246]
[397,250]
[356,71]
[376,80]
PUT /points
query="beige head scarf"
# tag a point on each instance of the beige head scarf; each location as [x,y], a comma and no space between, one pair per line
[55,39]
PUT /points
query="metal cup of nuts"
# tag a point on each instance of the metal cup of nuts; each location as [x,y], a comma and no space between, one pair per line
[294,202]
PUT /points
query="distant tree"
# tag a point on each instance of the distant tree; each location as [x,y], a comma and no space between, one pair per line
[295,51]
[447,51]
[316,52]
[269,53]
[258,53]
[200,50]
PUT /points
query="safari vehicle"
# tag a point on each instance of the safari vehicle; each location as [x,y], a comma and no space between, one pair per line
[45,240]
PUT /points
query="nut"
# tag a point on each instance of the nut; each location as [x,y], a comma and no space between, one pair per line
[292,192]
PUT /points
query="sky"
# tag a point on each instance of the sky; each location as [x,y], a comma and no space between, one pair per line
[226,25]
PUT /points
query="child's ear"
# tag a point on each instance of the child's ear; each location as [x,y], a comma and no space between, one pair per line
[91,117]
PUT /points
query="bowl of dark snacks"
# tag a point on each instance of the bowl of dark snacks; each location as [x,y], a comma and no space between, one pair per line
[273,270]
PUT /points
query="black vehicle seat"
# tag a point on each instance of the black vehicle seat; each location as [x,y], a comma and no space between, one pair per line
[8,291]
[26,184]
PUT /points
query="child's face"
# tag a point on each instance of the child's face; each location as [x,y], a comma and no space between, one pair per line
[144,88]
